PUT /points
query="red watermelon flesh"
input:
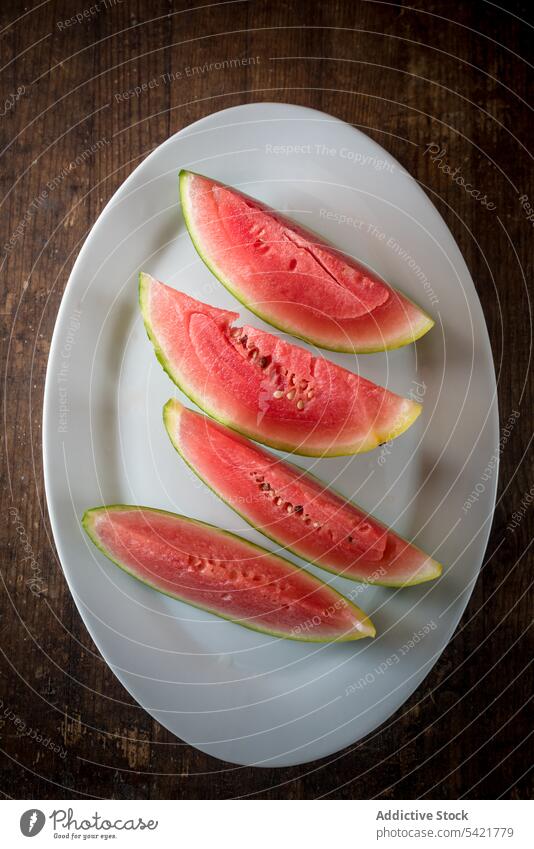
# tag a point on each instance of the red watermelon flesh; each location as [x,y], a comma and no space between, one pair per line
[264,387]
[223,574]
[292,278]
[293,508]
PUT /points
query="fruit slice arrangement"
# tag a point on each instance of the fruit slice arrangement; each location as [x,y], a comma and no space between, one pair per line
[223,574]
[292,278]
[293,508]
[279,394]
[263,386]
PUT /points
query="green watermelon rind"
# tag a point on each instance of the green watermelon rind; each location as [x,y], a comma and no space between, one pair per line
[167,411]
[348,349]
[345,451]
[363,619]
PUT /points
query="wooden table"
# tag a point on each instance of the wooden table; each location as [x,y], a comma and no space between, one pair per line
[410,78]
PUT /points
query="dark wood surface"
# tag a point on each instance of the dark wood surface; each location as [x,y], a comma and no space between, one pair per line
[456,75]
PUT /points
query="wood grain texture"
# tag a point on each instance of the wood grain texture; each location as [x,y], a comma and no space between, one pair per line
[408,77]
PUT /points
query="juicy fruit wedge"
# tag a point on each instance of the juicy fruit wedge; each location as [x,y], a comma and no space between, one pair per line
[223,574]
[293,279]
[293,508]
[264,387]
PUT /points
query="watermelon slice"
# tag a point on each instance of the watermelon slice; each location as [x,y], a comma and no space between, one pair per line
[293,508]
[264,387]
[291,277]
[223,574]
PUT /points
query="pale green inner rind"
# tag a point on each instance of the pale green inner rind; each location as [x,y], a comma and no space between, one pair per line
[363,619]
[400,342]
[170,414]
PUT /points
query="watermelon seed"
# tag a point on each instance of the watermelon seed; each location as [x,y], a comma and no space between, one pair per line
[290,395]
[253,354]
[292,380]
[193,561]
[316,524]
[350,539]
[289,508]
[300,405]
[264,361]
[243,340]
[265,486]
[310,394]
[236,331]
[258,243]
[292,264]
[277,500]
[278,394]
[299,508]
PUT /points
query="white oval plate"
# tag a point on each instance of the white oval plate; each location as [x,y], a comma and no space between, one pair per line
[240,696]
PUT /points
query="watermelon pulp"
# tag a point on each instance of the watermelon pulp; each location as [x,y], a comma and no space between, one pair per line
[264,387]
[290,277]
[293,508]
[223,574]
